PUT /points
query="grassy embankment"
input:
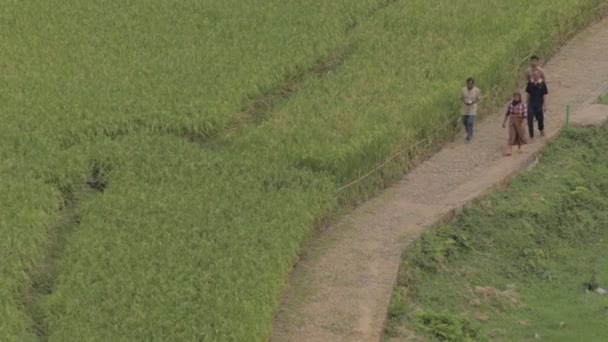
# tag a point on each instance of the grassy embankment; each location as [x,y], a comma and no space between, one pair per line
[189,241]
[518,265]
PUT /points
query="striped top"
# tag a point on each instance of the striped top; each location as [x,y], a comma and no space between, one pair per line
[519,109]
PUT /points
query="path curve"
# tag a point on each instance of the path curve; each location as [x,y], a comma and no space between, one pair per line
[341,288]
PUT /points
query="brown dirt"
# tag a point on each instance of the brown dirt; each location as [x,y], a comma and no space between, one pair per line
[341,288]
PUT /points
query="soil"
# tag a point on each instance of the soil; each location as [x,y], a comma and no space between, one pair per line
[341,288]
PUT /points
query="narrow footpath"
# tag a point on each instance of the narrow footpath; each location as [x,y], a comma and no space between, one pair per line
[340,290]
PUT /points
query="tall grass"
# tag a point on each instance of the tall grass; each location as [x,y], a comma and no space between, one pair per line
[184,66]
[191,243]
[402,79]
[28,208]
[74,72]
[194,249]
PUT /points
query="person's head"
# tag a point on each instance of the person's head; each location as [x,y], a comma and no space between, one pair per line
[470,83]
[516,96]
[536,75]
[534,61]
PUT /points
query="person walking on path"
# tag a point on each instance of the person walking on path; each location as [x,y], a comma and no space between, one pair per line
[535,65]
[516,114]
[469,95]
[537,100]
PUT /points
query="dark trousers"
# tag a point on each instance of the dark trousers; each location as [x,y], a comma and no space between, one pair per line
[535,112]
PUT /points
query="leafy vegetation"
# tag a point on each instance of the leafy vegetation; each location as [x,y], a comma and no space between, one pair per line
[524,262]
[198,211]
[445,326]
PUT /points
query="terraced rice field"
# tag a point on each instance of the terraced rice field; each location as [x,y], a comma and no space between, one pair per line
[162,163]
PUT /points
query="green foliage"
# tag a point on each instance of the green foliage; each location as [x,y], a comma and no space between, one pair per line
[530,250]
[447,327]
[433,250]
[28,205]
[193,236]
[172,252]
[397,312]
[170,66]
[400,82]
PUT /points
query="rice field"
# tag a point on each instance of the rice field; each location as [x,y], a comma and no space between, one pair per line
[158,183]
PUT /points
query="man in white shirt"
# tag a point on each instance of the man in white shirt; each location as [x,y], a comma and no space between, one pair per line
[469,95]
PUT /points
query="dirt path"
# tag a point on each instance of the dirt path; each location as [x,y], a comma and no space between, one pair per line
[341,289]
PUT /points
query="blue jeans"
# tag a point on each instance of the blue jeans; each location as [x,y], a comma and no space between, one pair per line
[468,121]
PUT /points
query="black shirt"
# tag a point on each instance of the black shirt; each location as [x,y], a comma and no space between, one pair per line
[536,91]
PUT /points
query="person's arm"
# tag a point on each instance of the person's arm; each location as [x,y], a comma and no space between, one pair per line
[545,93]
[542,74]
[477,97]
[504,122]
[528,92]
[544,103]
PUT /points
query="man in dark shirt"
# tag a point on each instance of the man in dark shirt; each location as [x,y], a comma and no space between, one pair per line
[537,100]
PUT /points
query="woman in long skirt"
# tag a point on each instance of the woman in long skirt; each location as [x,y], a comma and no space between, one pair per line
[516,114]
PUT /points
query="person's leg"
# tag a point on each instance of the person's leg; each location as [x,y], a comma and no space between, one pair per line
[470,123]
[531,121]
[511,139]
[540,118]
[465,122]
[521,135]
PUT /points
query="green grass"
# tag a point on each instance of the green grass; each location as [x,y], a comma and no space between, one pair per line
[90,72]
[183,66]
[193,241]
[401,80]
[28,206]
[195,249]
[603,99]
[515,264]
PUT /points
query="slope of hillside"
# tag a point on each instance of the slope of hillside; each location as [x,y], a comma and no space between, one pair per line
[525,263]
